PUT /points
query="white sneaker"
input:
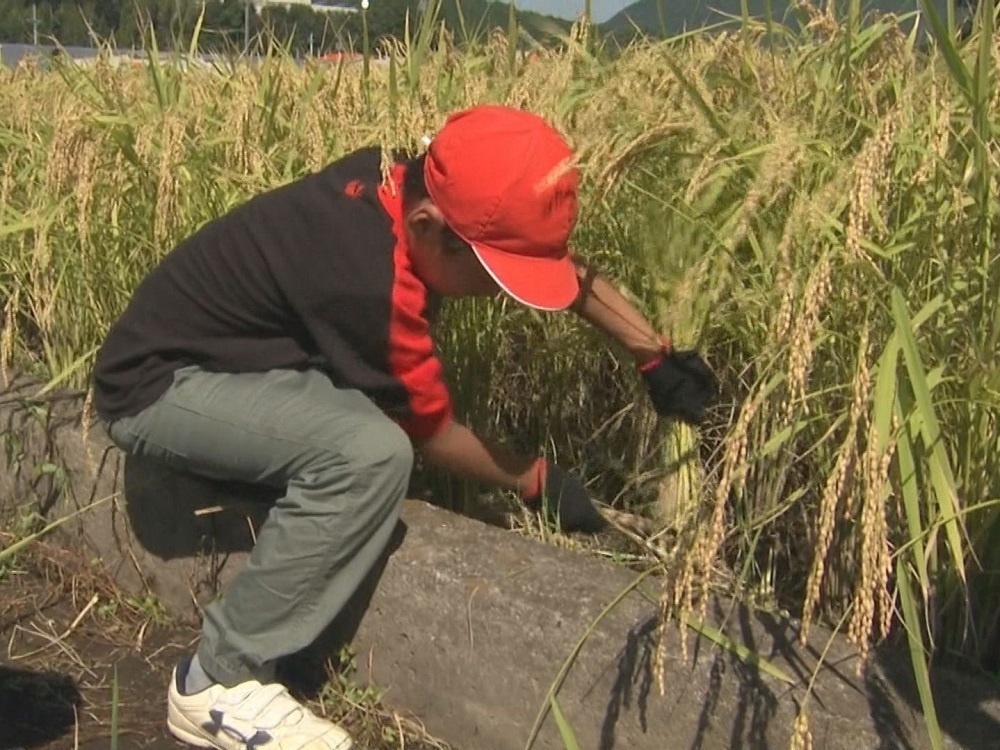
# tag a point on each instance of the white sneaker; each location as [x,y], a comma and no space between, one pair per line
[249,716]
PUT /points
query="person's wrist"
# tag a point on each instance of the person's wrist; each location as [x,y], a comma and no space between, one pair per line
[531,482]
[649,358]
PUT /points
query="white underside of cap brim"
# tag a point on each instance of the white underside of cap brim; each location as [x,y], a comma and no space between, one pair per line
[507,290]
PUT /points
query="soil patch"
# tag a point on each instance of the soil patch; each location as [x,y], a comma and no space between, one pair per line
[68,637]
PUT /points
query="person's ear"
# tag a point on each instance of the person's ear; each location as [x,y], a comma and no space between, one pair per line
[424,221]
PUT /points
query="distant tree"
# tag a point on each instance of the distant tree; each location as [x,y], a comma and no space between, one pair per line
[129,23]
[70,24]
[12,22]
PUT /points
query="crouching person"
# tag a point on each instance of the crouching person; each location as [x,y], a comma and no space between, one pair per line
[288,343]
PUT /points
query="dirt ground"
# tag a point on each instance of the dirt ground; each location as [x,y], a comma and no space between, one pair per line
[65,633]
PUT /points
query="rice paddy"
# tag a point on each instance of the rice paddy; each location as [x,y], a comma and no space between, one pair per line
[816,212]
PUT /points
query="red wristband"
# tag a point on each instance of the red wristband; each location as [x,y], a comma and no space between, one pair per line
[534,486]
[664,350]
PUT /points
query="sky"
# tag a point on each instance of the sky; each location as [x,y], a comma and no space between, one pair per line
[602,9]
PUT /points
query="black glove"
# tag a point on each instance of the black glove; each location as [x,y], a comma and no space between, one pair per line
[680,385]
[566,502]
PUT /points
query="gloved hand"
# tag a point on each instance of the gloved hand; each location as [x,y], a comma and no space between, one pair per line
[563,499]
[680,385]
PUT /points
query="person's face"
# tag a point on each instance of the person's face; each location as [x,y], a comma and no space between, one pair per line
[447,270]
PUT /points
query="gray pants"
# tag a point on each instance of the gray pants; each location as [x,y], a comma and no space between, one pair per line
[345,468]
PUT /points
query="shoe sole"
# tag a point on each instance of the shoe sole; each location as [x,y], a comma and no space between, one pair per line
[181,728]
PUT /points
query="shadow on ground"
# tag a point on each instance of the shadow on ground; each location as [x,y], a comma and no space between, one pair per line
[35,707]
[967,705]
[739,691]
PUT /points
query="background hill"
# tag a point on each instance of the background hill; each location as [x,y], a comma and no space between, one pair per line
[662,18]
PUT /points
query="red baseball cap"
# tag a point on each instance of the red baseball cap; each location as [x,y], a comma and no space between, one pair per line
[505,182]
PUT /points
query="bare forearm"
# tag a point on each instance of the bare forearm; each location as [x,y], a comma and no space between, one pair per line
[602,305]
[459,450]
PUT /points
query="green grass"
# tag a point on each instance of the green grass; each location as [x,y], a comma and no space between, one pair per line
[816,213]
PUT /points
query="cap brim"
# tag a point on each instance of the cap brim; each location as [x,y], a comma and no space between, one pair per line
[541,283]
